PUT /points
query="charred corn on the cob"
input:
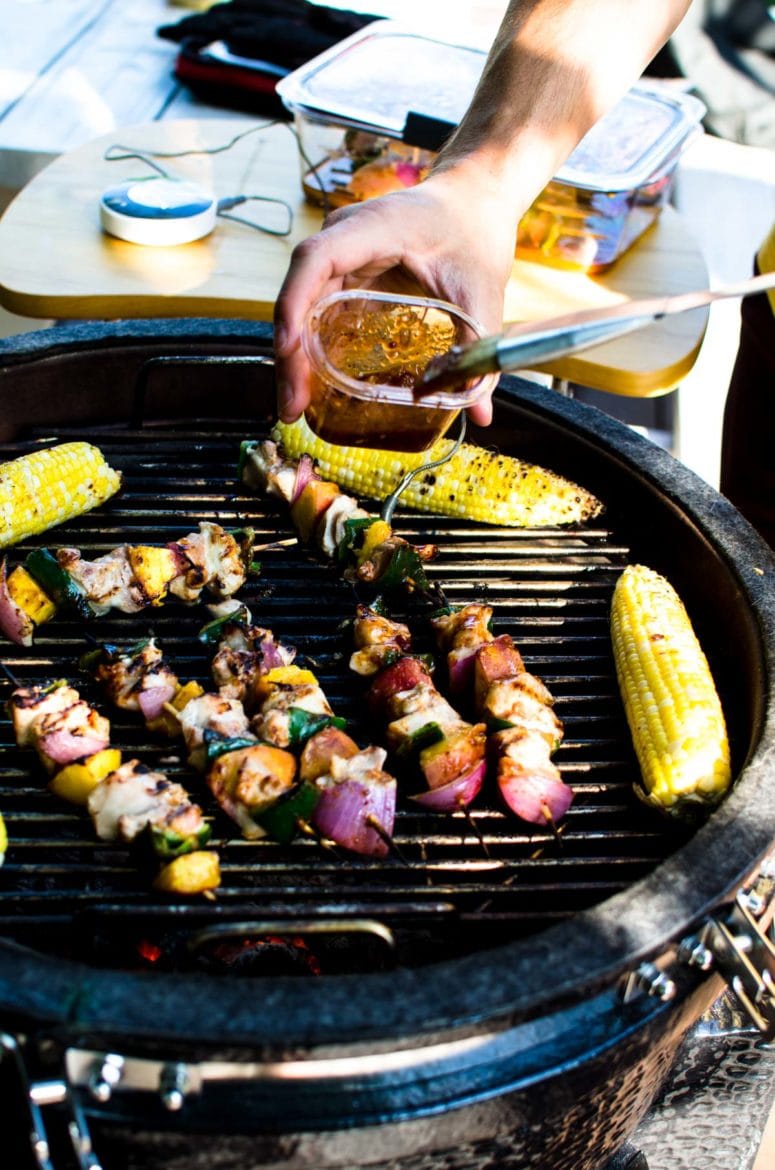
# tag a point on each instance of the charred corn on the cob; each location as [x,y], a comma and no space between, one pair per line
[672,706]
[476,483]
[48,487]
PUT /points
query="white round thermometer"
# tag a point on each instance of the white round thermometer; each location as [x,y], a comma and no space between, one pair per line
[158,212]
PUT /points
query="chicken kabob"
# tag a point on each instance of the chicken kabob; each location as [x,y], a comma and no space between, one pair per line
[127,801]
[423,729]
[489,674]
[363,545]
[515,706]
[129,578]
[273,754]
[214,728]
[343,788]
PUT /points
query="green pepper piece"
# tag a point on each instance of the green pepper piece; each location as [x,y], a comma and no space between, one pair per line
[281,819]
[302,725]
[391,657]
[245,447]
[212,631]
[423,737]
[352,530]
[89,661]
[218,745]
[110,652]
[443,611]
[168,844]
[494,724]
[57,582]
[404,565]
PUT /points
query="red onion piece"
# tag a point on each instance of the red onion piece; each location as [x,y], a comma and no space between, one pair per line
[63,747]
[461,669]
[345,807]
[152,700]
[17,626]
[457,794]
[271,655]
[539,799]
[305,471]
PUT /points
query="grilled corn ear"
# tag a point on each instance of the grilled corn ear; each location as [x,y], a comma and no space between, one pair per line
[476,484]
[48,487]
[672,706]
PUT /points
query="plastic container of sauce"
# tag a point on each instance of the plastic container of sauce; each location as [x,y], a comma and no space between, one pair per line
[367,350]
[372,112]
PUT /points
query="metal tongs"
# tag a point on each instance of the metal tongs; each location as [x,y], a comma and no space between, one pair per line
[529,344]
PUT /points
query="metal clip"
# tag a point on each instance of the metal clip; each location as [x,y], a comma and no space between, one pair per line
[744,954]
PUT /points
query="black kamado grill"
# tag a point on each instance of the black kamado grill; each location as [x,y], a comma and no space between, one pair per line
[486,995]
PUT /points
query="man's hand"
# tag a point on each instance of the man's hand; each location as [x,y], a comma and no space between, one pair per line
[445,238]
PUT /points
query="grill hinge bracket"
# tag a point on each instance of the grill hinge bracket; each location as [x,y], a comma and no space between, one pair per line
[739,947]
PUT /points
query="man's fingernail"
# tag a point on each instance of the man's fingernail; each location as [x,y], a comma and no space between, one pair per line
[285,404]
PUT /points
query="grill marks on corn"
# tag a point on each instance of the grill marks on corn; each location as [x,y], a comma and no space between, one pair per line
[552,589]
[475,483]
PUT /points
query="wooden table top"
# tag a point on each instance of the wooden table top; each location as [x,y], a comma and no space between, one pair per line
[56,262]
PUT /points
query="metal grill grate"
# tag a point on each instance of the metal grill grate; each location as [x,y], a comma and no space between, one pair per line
[453,884]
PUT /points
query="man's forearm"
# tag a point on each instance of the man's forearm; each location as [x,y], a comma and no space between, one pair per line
[555,67]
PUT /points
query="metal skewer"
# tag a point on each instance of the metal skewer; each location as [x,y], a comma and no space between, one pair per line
[389,505]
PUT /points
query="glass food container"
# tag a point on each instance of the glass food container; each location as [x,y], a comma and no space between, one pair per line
[366,350]
[371,113]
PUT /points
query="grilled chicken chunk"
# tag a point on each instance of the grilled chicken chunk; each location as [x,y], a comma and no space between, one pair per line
[272,722]
[134,797]
[214,562]
[223,717]
[244,654]
[139,681]
[108,582]
[378,640]
[62,737]
[30,704]
[58,724]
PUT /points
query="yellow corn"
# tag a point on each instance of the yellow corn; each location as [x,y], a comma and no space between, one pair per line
[672,706]
[3,839]
[48,487]
[476,484]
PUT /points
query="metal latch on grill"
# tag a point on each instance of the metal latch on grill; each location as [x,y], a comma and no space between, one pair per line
[739,947]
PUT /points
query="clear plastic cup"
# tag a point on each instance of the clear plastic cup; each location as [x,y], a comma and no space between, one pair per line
[367,351]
